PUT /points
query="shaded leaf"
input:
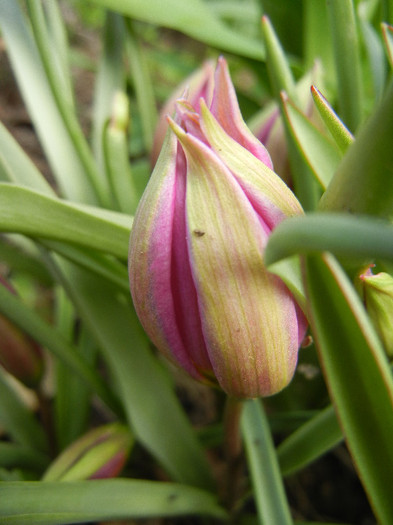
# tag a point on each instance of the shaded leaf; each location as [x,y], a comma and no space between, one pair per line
[193,18]
[357,375]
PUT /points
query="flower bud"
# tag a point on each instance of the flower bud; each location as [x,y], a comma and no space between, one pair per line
[196,267]
[19,354]
[378,300]
[101,453]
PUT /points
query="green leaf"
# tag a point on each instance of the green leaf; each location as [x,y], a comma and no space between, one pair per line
[193,18]
[280,73]
[281,79]
[117,156]
[318,41]
[151,407]
[73,395]
[16,165]
[50,503]
[19,456]
[341,135]
[357,374]
[363,182]
[344,235]
[143,86]
[42,107]
[347,60]
[23,261]
[320,153]
[374,47]
[309,442]
[36,215]
[95,262]
[110,78]
[57,75]
[269,493]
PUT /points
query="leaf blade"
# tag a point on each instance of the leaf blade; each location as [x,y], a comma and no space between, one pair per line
[357,374]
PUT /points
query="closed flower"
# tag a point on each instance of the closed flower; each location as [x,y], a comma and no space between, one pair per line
[197,273]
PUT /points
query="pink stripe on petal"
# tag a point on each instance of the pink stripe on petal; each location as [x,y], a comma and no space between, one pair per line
[226,110]
[150,262]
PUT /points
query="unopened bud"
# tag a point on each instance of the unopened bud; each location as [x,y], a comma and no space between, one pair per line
[101,453]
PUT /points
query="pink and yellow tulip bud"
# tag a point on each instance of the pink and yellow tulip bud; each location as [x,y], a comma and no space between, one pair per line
[196,260]
[378,300]
[20,356]
[101,453]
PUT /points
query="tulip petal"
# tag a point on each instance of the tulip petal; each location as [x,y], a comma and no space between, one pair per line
[270,196]
[151,263]
[226,110]
[248,316]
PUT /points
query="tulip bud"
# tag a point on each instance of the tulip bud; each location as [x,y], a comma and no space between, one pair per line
[19,354]
[378,300]
[101,453]
[197,275]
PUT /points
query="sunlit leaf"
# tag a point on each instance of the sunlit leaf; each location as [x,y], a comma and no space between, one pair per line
[36,215]
[357,238]
[64,503]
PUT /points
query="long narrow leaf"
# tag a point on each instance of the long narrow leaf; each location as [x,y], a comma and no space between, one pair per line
[19,456]
[149,402]
[41,105]
[347,60]
[33,214]
[309,442]
[16,165]
[268,486]
[357,374]
[50,503]
[281,79]
[343,235]
[92,261]
[142,85]
[110,78]
[55,74]
[320,153]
